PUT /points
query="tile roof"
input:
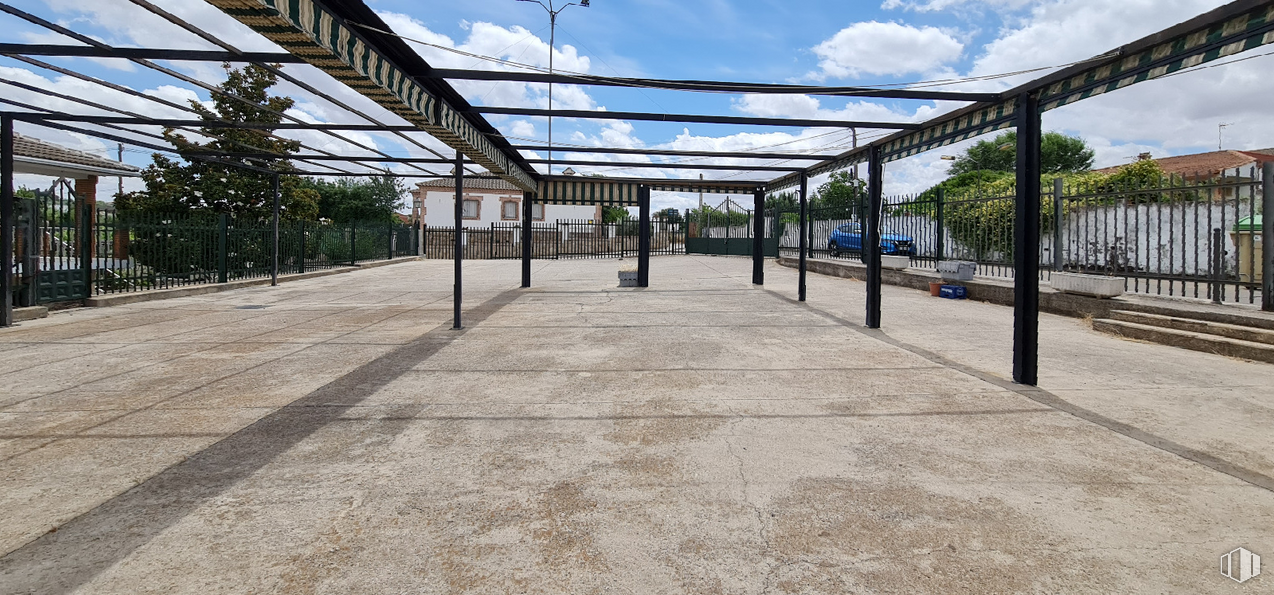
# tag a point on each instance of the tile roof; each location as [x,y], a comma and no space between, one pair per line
[469,184]
[27,146]
[1207,164]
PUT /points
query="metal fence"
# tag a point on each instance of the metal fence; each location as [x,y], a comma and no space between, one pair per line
[556,240]
[65,250]
[1193,238]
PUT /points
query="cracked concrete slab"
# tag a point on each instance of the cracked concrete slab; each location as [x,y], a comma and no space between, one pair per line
[700,436]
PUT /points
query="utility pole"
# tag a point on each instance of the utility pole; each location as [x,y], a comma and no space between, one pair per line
[552,42]
[1219,129]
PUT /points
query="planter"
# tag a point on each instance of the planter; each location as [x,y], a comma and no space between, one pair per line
[896,263]
[628,278]
[1098,286]
[957,270]
[935,288]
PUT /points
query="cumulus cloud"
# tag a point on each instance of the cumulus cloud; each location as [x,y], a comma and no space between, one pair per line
[885,48]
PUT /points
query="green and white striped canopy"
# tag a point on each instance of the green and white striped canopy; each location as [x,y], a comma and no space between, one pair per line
[599,191]
[308,30]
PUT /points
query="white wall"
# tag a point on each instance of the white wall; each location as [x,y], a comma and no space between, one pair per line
[440,204]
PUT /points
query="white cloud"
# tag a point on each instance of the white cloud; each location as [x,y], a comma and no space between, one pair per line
[885,48]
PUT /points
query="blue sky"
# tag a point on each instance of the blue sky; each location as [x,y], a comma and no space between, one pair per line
[812,41]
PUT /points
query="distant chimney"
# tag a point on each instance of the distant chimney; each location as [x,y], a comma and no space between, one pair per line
[1143,157]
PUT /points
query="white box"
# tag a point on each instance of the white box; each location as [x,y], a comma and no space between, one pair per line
[957,270]
[1099,286]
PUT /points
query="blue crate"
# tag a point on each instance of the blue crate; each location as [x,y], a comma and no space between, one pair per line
[954,292]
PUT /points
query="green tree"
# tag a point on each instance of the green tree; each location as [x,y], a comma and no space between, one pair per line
[221,187]
[349,200]
[615,214]
[842,197]
[1058,154]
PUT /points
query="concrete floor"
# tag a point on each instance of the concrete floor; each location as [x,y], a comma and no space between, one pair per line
[701,436]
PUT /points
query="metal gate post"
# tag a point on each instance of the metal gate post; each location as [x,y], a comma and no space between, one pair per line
[758,237]
[274,265]
[527,237]
[223,248]
[353,243]
[1026,243]
[940,241]
[1218,265]
[458,246]
[800,244]
[871,235]
[1058,220]
[6,220]
[643,236]
[1267,237]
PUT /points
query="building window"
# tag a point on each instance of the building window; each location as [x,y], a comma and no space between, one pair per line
[472,209]
[537,212]
[509,210]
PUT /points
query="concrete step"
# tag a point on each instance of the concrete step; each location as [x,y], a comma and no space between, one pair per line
[1232,331]
[1208,343]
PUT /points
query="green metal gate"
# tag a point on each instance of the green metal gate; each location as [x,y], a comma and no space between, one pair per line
[57,246]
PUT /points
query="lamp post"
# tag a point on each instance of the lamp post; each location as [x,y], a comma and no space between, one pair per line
[552,41]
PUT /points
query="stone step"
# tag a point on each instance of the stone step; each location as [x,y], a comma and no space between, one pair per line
[1232,331]
[1208,343]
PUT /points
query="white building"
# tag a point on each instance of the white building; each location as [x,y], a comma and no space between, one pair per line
[488,201]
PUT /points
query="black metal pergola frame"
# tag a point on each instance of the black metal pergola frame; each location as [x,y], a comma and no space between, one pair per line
[348,41]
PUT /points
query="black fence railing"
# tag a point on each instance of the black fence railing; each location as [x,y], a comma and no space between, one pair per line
[142,251]
[561,239]
[1198,238]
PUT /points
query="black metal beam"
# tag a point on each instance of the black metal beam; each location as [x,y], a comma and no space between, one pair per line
[709,86]
[670,153]
[174,123]
[645,165]
[6,221]
[758,237]
[274,264]
[86,51]
[649,117]
[458,242]
[528,236]
[871,235]
[801,244]
[643,236]
[1026,243]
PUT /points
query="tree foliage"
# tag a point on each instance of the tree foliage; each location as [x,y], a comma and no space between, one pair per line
[615,214]
[349,200]
[1058,154]
[191,184]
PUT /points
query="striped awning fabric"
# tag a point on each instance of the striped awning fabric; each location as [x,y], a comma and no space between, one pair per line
[595,191]
[308,30]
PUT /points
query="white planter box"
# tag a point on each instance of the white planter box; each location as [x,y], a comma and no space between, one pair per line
[1092,285]
[628,278]
[895,262]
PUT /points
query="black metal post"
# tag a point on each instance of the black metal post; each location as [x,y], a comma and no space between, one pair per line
[353,244]
[1059,186]
[300,234]
[527,237]
[274,267]
[6,220]
[804,222]
[758,237]
[1218,265]
[940,240]
[1267,237]
[643,236]
[458,247]
[1026,244]
[871,235]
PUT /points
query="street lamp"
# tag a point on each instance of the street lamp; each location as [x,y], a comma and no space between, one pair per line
[552,40]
